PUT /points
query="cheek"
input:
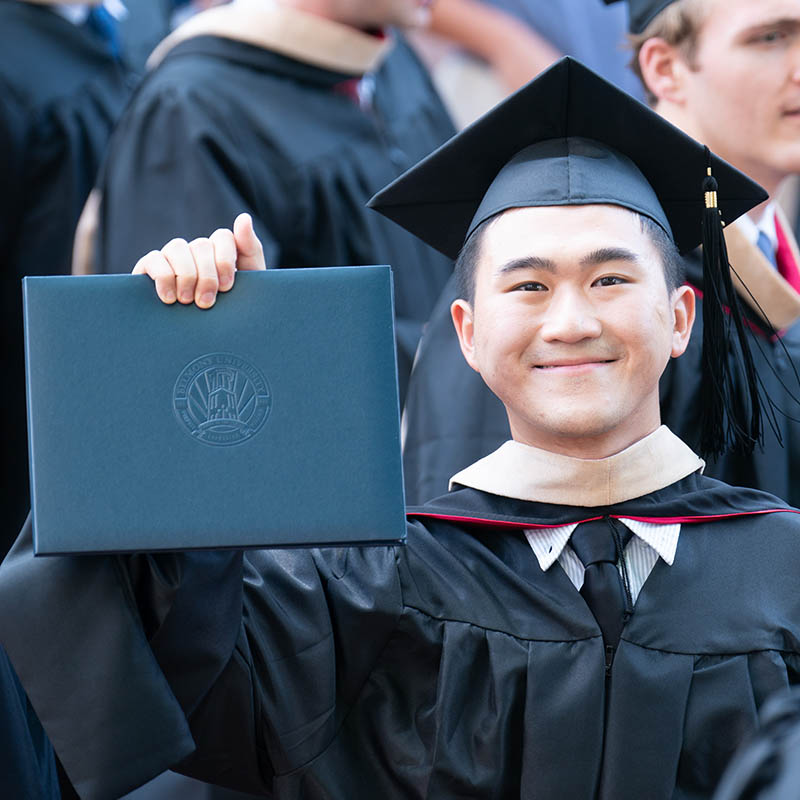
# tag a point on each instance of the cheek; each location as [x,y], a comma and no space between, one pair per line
[659,343]
[646,327]
[739,95]
[502,337]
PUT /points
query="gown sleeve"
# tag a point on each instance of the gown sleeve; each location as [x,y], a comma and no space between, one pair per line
[226,667]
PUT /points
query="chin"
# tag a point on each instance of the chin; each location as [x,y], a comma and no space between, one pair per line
[585,425]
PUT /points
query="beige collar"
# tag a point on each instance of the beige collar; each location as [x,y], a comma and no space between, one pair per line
[269,24]
[779,301]
[527,473]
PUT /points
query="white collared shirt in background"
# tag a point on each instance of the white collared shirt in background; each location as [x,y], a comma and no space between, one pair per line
[765,225]
[77,13]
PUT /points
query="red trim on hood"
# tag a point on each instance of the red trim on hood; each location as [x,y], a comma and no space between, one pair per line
[783,255]
[656,520]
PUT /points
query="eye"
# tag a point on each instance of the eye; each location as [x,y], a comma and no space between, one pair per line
[769,37]
[609,280]
[530,286]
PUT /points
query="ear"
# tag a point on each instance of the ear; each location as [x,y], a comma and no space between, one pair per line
[662,67]
[463,319]
[683,309]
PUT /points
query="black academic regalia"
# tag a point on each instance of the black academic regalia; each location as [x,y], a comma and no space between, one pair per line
[450,667]
[443,437]
[222,127]
[60,93]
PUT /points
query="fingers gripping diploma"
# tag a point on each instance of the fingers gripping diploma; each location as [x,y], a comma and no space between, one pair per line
[193,272]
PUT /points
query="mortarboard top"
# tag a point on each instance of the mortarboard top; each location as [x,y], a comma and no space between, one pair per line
[642,12]
[569,137]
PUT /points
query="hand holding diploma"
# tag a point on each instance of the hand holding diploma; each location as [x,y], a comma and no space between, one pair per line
[193,272]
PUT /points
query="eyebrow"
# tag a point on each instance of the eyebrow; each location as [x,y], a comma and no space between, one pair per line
[597,257]
[605,254]
[787,24]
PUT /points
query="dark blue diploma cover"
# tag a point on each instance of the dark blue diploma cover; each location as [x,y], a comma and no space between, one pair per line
[269,420]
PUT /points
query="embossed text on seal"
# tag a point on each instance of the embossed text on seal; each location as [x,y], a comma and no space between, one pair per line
[221,399]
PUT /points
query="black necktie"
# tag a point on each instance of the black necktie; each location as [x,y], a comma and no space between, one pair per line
[599,545]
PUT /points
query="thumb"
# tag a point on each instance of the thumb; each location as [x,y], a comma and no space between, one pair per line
[249,252]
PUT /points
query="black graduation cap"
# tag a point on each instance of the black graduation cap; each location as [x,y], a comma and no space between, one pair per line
[571,138]
[642,12]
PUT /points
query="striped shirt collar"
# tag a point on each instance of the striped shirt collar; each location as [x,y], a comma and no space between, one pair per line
[548,543]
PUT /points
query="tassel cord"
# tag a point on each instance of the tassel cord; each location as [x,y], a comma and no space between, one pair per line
[772,409]
[726,423]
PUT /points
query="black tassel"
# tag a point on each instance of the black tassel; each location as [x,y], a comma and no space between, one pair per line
[730,399]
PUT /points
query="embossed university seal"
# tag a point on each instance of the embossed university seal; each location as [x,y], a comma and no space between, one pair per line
[221,399]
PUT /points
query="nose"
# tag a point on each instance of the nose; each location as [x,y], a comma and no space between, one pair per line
[570,317]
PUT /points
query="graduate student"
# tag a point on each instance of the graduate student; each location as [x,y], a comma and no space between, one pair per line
[727,73]
[585,615]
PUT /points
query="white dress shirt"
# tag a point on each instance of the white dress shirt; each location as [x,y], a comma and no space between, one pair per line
[765,225]
[650,542]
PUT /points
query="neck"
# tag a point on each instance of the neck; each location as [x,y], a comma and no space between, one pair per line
[586,448]
[589,444]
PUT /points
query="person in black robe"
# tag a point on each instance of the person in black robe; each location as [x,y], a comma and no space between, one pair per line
[450,667]
[62,88]
[440,439]
[294,117]
[461,664]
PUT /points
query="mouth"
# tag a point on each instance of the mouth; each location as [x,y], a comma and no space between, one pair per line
[574,365]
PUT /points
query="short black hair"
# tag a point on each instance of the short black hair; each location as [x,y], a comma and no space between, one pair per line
[466,263]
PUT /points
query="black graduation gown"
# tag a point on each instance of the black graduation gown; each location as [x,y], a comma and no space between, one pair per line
[60,94]
[443,436]
[450,667]
[222,126]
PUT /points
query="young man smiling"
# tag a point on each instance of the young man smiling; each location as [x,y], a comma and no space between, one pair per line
[553,323]
[585,616]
